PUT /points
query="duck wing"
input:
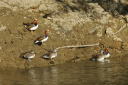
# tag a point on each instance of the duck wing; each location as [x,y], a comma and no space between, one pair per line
[46,56]
[27,24]
[40,38]
[95,57]
[33,27]
[44,39]
[27,55]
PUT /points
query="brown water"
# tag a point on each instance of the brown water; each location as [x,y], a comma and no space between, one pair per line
[81,73]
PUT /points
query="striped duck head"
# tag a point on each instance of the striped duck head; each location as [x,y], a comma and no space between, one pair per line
[46,32]
[105,51]
[35,21]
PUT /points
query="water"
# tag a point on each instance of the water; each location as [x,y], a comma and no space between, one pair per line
[114,72]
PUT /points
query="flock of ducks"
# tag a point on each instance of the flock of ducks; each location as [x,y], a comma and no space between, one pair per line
[104,54]
[39,41]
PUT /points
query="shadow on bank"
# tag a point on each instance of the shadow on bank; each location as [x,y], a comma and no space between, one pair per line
[113,7]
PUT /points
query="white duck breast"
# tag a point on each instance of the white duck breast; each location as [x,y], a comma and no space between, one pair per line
[107,55]
[41,41]
[101,58]
[45,39]
[34,27]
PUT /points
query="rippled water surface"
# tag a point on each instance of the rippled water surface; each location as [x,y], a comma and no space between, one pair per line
[82,73]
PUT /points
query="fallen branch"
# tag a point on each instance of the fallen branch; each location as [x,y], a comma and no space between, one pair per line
[121,29]
[76,46]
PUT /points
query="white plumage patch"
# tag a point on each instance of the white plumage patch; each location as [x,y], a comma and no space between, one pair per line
[34,27]
[45,39]
[29,55]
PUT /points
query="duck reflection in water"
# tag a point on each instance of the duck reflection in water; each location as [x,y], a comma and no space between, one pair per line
[45,76]
[34,76]
[50,76]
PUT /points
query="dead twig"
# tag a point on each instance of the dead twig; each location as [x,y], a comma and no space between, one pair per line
[120,29]
[76,46]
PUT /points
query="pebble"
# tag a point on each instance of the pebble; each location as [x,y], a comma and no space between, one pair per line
[0,48]
[25,17]
[2,28]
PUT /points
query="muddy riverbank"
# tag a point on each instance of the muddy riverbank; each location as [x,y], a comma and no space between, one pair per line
[71,27]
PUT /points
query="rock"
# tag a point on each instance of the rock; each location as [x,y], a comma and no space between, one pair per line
[125,45]
[126,18]
[2,28]
[15,8]
[99,34]
[23,3]
[111,34]
[46,7]
[99,13]
[0,48]
[112,44]
[67,21]
[124,1]
[116,44]
[96,8]
[3,4]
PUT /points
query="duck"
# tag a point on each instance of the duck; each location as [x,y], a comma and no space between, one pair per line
[29,55]
[50,55]
[39,41]
[32,26]
[104,54]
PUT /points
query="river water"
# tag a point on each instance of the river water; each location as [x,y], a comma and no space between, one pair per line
[86,72]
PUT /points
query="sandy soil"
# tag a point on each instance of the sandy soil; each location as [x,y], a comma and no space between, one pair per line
[15,40]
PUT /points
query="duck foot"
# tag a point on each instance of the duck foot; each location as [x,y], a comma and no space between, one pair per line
[75,59]
[107,60]
[38,43]
[52,62]
[29,60]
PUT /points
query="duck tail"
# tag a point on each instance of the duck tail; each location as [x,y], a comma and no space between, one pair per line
[26,24]
[93,58]
[38,43]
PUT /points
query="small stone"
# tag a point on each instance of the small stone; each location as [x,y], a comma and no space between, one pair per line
[99,33]
[0,48]
[5,42]
[2,28]
[25,17]
[111,34]
[12,42]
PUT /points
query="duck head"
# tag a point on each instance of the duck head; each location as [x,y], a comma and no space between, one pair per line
[35,21]
[46,32]
[105,51]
